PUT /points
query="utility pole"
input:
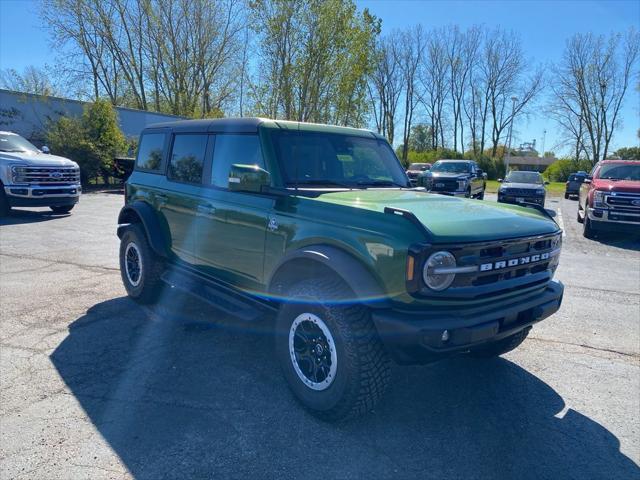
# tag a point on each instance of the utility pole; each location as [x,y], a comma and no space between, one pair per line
[544,137]
[508,155]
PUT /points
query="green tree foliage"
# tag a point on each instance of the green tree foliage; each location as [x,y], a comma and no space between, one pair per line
[316,57]
[420,138]
[560,170]
[628,153]
[93,140]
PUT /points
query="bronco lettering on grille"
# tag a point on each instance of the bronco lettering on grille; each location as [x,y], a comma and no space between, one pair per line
[485,267]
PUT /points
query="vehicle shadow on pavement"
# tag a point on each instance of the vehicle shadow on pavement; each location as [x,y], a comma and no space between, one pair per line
[619,240]
[18,217]
[176,397]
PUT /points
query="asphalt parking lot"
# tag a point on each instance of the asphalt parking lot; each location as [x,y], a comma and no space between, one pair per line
[94,386]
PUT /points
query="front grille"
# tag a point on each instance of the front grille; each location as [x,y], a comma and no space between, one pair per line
[521,192]
[495,281]
[412,175]
[438,185]
[46,175]
[623,202]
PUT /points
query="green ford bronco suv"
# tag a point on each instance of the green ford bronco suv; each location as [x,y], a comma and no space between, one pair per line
[321,226]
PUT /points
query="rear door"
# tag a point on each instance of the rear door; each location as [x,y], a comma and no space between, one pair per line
[183,189]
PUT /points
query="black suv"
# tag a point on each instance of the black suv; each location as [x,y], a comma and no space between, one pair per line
[522,187]
[459,178]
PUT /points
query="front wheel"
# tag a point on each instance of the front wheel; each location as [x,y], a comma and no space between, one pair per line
[5,208]
[140,267]
[587,227]
[62,209]
[330,354]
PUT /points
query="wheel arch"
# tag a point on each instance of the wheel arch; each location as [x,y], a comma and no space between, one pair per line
[143,213]
[325,259]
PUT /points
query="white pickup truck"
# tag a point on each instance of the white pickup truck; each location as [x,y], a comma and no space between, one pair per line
[30,177]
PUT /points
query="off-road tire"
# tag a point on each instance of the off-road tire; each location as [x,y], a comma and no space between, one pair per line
[468,193]
[150,285]
[62,209]
[481,195]
[363,366]
[566,196]
[5,209]
[495,349]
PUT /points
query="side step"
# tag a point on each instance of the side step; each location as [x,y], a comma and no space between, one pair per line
[220,297]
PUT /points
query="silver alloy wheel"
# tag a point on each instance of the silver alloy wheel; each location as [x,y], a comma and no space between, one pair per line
[313,351]
[133,264]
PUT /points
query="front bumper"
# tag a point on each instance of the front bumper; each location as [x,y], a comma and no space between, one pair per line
[42,196]
[416,337]
[607,220]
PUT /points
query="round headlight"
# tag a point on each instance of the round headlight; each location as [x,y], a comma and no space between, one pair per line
[438,261]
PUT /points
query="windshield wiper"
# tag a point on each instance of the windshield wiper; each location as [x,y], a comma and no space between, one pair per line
[322,182]
[380,183]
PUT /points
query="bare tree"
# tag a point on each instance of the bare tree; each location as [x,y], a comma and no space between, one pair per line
[434,80]
[179,56]
[32,80]
[462,50]
[590,85]
[411,44]
[385,87]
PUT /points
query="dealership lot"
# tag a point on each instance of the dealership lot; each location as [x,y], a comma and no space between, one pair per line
[94,386]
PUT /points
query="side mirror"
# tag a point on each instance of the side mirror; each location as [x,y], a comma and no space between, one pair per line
[479,172]
[587,180]
[546,182]
[248,178]
[45,149]
[500,180]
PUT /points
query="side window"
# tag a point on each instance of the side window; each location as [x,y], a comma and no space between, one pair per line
[151,152]
[230,149]
[187,157]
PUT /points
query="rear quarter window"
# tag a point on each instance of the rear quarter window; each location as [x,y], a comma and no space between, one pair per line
[151,152]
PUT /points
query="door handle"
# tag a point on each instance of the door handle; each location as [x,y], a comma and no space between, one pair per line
[206,209]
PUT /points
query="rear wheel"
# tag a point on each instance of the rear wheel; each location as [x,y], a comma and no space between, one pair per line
[140,267]
[566,196]
[330,353]
[481,195]
[468,193]
[495,349]
[62,209]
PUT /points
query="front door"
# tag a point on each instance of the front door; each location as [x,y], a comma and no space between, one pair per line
[231,234]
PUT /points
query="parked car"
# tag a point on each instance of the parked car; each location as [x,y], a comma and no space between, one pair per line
[522,187]
[30,177]
[572,187]
[416,169]
[610,198]
[459,178]
[319,225]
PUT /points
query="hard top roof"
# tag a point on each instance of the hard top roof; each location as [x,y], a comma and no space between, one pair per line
[250,125]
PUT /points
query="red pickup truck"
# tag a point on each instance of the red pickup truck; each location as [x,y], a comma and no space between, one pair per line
[610,198]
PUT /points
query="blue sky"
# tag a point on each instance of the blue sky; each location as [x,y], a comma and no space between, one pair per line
[543,26]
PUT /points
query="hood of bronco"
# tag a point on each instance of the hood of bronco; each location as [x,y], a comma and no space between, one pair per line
[451,219]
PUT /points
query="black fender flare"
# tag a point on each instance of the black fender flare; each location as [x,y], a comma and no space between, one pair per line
[142,212]
[358,278]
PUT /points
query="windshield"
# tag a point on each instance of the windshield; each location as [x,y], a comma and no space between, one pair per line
[451,167]
[419,166]
[10,142]
[524,177]
[325,159]
[620,171]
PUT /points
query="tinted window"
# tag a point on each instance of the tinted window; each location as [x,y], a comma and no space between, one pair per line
[451,167]
[230,149]
[330,159]
[524,177]
[187,157]
[150,152]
